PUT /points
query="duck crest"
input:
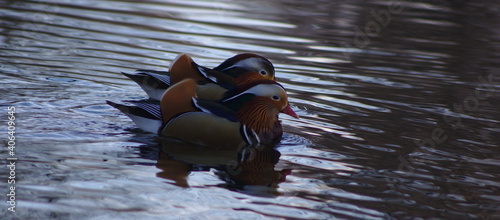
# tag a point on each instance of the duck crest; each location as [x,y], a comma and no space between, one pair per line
[233,61]
[240,90]
[246,78]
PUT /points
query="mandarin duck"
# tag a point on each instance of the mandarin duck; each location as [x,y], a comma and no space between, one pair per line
[246,115]
[234,71]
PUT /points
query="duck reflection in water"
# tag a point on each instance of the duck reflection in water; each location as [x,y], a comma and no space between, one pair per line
[249,170]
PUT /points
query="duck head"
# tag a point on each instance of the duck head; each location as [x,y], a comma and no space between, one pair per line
[257,105]
[235,71]
[246,67]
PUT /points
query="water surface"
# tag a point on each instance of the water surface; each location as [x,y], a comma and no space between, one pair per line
[398,104]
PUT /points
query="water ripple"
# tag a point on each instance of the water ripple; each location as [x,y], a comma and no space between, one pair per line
[377,138]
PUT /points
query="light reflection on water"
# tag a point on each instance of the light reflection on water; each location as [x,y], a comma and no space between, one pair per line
[404,125]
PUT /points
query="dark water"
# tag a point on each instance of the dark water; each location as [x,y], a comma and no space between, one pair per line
[399,105]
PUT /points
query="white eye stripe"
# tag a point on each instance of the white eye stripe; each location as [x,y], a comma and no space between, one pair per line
[267,90]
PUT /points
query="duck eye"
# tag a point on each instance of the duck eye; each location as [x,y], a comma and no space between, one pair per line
[263,72]
[275,97]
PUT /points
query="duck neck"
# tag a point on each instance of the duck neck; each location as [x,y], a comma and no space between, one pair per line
[261,118]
